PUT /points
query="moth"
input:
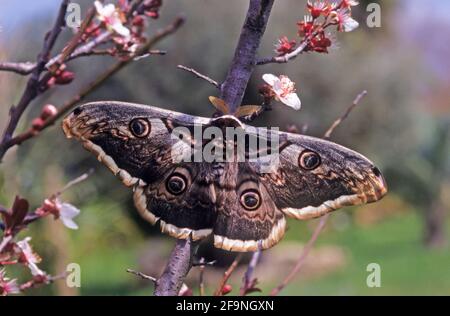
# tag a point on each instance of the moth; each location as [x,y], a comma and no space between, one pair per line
[243,203]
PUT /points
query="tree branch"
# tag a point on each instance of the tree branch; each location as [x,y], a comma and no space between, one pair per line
[180,262]
[248,282]
[142,275]
[227,275]
[345,115]
[243,64]
[24,68]
[199,75]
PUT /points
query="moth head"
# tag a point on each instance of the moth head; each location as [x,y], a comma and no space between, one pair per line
[117,133]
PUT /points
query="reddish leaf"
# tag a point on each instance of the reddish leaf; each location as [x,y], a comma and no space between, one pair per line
[18,212]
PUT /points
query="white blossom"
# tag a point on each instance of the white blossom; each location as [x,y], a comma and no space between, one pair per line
[284,90]
[67,213]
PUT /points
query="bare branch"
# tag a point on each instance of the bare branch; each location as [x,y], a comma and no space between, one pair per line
[180,262]
[19,68]
[31,217]
[248,281]
[345,115]
[199,75]
[142,275]
[75,181]
[303,255]
[201,277]
[227,275]
[244,60]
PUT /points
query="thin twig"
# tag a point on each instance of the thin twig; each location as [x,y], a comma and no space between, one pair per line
[24,68]
[227,274]
[248,282]
[199,75]
[345,115]
[31,217]
[48,280]
[201,277]
[303,255]
[142,275]
[75,181]
[324,219]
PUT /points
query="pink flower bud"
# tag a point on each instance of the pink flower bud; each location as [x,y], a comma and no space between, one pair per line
[227,288]
[138,20]
[65,77]
[37,123]
[48,110]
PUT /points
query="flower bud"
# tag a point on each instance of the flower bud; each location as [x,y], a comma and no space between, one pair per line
[48,110]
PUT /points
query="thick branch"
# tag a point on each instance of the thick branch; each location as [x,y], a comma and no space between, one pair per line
[180,262]
[233,88]
[24,68]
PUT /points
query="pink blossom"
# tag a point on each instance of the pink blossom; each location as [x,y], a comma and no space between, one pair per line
[28,257]
[109,15]
[348,3]
[343,18]
[318,8]
[284,46]
[7,286]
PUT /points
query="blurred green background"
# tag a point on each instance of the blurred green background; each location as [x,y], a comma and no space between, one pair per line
[403,125]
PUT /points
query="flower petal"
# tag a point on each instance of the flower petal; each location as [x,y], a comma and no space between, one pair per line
[292,100]
[34,269]
[270,79]
[69,223]
[350,24]
[67,213]
[98,7]
[120,29]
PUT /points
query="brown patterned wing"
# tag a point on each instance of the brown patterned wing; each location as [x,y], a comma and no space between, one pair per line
[313,177]
[135,142]
[247,217]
